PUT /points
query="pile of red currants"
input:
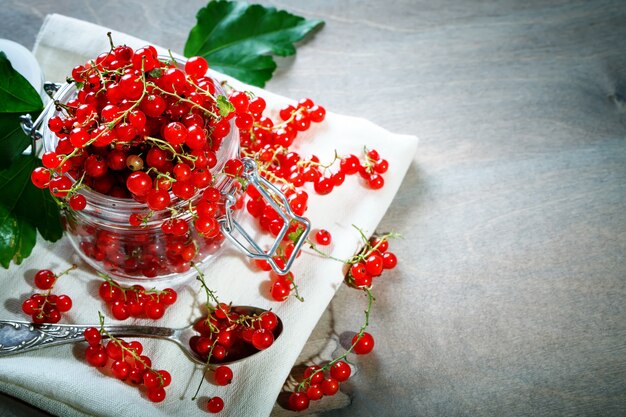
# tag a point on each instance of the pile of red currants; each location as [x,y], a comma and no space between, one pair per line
[156,133]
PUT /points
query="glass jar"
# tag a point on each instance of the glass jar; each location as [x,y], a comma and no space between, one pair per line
[102,235]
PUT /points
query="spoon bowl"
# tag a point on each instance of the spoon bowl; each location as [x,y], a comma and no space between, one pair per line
[20,336]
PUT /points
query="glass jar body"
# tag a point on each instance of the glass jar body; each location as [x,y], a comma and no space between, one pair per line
[104,238]
[144,252]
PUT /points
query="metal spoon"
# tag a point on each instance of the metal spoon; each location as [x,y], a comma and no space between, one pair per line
[19,336]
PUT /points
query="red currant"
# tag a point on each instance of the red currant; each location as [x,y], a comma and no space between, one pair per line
[257,105]
[30,306]
[340,371]
[376,181]
[40,177]
[389,260]
[330,386]
[223,375]
[92,336]
[298,401]
[64,303]
[323,237]
[120,369]
[317,377]
[240,101]
[175,133]
[363,345]
[196,67]
[269,321]
[314,392]
[96,355]
[78,202]
[280,291]
[262,339]
[317,114]
[59,186]
[158,199]
[45,279]
[374,264]
[139,183]
[156,395]
[215,405]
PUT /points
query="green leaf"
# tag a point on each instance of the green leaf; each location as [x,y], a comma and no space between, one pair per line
[13,141]
[24,208]
[295,235]
[16,93]
[17,97]
[225,106]
[17,238]
[237,38]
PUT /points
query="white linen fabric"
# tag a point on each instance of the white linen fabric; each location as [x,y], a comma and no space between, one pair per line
[59,380]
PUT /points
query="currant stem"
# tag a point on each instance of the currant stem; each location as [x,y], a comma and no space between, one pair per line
[173,60]
[369,249]
[244,319]
[111,40]
[313,246]
[319,164]
[166,146]
[160,175]
[67,271]
[111,282]
[370,301]
[295,289]
[42,309]
[285,123]
[185,100]
[206,368]
[210,296]
[209,293]
[125,349]
[274,178]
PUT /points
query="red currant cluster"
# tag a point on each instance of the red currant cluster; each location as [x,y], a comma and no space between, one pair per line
[319,382]
[281,285]
[370,263]
[264,137]
[373,168]
[47,307]
[125,361]
[135,300]
[362,267]
[292,172]
[228,335]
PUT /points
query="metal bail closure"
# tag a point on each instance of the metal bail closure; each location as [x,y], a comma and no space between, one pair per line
[278,201]
[26,121]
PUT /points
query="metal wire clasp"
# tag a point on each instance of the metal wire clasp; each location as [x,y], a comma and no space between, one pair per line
[278,201]
[26,121]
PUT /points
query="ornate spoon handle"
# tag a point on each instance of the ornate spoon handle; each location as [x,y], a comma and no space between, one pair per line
[21,336]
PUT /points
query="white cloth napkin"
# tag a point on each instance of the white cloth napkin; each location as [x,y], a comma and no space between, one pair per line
[59,380]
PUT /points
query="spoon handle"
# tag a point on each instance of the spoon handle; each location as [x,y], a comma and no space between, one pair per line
[21,336]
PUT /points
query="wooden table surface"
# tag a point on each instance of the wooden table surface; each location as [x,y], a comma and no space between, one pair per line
[509,298]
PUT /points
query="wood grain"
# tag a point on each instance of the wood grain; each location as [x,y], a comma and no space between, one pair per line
[510,297]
